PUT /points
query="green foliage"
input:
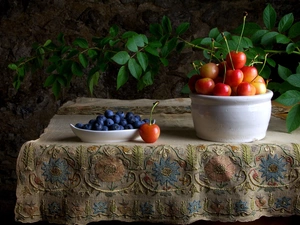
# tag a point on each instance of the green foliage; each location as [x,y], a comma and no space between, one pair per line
[141,57]
[136,55]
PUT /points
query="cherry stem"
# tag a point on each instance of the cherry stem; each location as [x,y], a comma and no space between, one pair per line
[154,104]
[265,60]
[212,49]
[242,32]
[228,50]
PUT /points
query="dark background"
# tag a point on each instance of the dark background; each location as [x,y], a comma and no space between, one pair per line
[24,114]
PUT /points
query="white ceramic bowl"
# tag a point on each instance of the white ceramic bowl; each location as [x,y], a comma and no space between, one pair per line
[105,136]
[231,118]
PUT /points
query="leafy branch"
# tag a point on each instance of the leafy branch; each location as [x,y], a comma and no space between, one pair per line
[142,56]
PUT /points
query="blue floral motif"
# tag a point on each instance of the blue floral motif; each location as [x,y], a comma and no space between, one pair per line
[272,168]
[283,202]
[194,207]
[147,208]
[241,207]
[56,170]
[100,207]
[54,208]
[165,171]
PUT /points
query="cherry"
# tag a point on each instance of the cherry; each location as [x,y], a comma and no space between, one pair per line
[205,86]
[222,89]
[209,70]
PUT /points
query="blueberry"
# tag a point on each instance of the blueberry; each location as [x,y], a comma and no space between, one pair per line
[129,114]
[121,127]
[87,126]
[116,118]
[121,114]
[108,113]
[128,127]
[146,120]
[97,126]
[138,123]
[131,119]
[105,128]
[79,125]
[92,121]
[123,122]
[115,126]
[137,117]
[100,118]
[108,122]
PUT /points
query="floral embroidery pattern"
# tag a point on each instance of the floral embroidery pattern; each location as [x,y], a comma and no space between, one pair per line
[54,208]
[100,207]
[109,169]
[56,170]
[220,169]
[158,183]
[272,168]
[165,172]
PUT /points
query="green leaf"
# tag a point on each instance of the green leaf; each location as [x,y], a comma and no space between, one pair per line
[271,62]
[289,98]
[50,80]
[48,42]
[180,46]
[269,17]
[92,80]
[164,61]
[134,68]
[286,22]
[122,77]
[294,80]
[72,53]
[139,40]
[249,30]
[294,30]
[76,69]
[269,38]
[156,30]
[81,42]
[147,78]
[114,30]
[121,57]
[92,53]
[284,72]
[12,66]
[56,88]
[290,48]
[155,44]
[166,25]
[282,39]
[83,60]
[131,45]
[50,68]
[256,37]
[214,33]
[143,60]
[293,118]
[152,51]
[182,28]
[128,34]
[61,38]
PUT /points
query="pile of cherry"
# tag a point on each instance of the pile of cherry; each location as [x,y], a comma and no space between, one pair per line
[228,78]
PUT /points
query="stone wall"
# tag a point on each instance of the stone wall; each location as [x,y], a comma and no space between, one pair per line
[24,114]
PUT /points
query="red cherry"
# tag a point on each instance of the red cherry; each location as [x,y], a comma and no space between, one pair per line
[234,77]
[205,86]
[222,89]
[238,59]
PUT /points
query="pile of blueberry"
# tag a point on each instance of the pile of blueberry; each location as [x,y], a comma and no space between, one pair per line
[111,120]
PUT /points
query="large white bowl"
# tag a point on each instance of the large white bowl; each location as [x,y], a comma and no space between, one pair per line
[231,118]
[105,136]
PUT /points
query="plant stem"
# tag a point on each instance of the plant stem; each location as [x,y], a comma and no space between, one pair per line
[242,32]
[154,104]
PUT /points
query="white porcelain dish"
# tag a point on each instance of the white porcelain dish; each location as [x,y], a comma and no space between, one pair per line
[94,136]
